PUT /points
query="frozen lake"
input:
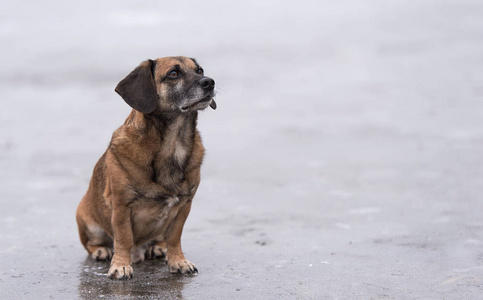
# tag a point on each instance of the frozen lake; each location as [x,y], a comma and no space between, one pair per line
[344,160]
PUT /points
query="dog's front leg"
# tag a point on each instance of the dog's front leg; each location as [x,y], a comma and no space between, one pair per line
[121,267]
[177,263]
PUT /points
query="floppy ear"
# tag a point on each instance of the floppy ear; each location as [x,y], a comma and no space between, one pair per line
[139,90]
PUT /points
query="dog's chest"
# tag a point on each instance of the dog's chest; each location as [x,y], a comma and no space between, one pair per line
[151,220]
[170,162]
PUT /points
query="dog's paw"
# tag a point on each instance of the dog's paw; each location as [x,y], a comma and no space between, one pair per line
[120,272]
[155,251]
[102,254]
[182,267]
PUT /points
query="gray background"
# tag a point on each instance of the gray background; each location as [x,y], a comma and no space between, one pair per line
[344,160]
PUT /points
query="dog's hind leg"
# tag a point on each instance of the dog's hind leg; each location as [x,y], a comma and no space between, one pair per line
[99,244]
[96,241]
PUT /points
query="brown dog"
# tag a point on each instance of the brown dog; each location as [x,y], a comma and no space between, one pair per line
[141,190]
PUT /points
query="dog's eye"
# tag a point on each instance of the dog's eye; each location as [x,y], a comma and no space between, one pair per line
[173,74]
[200,71]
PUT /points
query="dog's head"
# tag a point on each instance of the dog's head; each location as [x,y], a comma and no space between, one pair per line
[169,84]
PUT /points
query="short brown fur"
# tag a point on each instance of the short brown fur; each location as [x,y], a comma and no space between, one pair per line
[141,189]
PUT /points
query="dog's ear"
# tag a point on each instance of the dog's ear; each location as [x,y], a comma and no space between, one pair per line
[138,88]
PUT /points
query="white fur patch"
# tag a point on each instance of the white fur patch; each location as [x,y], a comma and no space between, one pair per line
[180,152]
[95,229]
[172,201]
[95,233]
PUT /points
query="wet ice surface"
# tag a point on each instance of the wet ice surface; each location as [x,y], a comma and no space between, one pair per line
[343,161]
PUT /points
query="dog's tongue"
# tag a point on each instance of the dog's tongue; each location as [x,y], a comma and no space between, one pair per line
[213,104]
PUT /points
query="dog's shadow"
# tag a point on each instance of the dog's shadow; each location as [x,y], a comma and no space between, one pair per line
[152,280]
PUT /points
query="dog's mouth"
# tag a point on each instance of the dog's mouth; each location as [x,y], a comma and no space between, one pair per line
[200,104]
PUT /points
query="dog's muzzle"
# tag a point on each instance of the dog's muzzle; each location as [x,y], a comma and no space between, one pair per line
[208,86]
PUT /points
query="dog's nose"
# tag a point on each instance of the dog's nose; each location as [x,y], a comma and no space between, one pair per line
[207,83]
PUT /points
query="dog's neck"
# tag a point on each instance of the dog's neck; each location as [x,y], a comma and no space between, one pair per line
[175,132]
[163,123]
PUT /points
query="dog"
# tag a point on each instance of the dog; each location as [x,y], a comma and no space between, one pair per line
[142,187]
